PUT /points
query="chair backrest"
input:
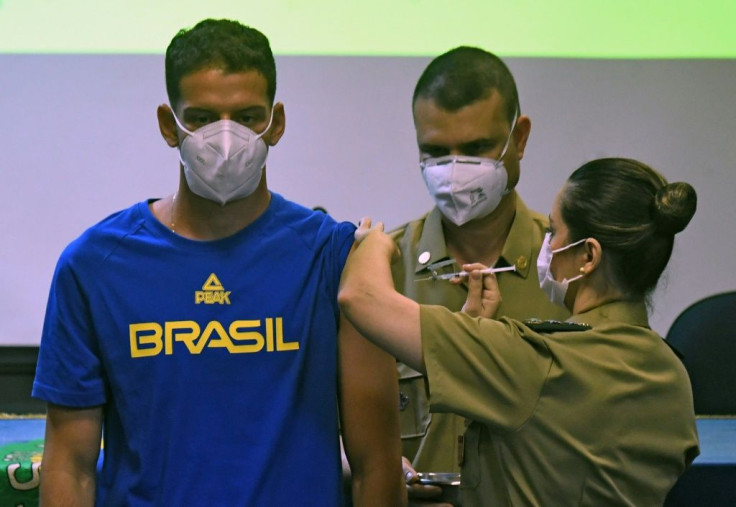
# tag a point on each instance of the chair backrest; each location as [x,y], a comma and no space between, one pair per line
[706,336]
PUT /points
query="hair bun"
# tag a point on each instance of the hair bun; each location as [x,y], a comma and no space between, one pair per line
[674,206]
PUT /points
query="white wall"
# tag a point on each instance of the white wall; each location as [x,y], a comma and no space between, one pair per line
[79,140]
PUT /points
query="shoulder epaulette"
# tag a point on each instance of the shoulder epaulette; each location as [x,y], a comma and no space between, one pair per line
[554,326]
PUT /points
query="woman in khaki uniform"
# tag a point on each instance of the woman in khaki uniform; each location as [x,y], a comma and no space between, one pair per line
[594,411]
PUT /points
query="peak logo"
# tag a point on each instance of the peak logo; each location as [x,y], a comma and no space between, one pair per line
[212,292]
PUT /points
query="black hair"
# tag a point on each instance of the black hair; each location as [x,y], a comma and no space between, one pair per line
[464,75]
[633,212]
[218,44]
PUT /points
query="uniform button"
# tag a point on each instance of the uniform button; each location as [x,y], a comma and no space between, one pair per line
[521,262]
[424,257]
[403,401]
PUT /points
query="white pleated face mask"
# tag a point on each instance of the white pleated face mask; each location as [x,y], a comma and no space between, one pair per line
[466,188]
[223,160]
[555,290]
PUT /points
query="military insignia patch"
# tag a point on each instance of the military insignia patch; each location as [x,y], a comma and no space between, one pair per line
[554,326]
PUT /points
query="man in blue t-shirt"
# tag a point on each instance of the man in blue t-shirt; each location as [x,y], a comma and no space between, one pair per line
[199,334]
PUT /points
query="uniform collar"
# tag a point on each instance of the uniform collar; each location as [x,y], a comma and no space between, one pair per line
[518,249]
[630,312]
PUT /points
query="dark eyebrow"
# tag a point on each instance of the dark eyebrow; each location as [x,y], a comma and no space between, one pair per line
[252,109]
[484,141]
[197,110]
[475,143]
[428,146]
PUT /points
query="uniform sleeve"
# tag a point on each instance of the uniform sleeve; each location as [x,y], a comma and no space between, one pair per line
[491,371]
[69,369]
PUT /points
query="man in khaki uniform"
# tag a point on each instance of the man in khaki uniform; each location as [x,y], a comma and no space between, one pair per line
[471,138]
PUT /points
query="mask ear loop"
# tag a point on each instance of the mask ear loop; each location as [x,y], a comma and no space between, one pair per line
[567,247]
[508,139]
[499,161]
[179,123]
[186,130]
[270,120]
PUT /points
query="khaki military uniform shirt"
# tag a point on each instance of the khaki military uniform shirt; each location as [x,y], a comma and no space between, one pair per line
[432,441]
[602,416]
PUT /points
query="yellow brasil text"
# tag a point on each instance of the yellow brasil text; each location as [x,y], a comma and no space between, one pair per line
[241,337]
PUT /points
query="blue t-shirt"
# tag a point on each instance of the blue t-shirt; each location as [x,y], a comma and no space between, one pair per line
[216,361]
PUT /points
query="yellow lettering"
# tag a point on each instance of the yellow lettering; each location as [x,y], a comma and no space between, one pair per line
[269,334]
[211,297]
[175,331]
[280,343]
[222,339]
[243,336]
[145,339]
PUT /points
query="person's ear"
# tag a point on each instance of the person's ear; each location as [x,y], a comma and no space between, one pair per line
[167,125]
[521,134]
[278,125]
[593,256]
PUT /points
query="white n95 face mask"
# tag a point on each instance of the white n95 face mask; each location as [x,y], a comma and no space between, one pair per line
[466,188]
[555,290]
[223,160]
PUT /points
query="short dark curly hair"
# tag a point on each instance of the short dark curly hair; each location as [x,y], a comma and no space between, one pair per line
[218,44]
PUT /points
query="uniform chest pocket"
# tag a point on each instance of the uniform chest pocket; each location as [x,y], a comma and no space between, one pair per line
[414,414]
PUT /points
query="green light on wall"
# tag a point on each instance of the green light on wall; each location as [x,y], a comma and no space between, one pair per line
[534,28]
